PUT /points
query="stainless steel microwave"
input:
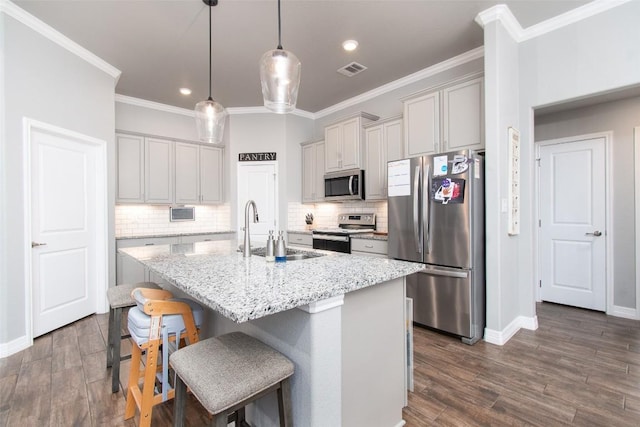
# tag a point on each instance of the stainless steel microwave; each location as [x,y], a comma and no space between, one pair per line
[344,185]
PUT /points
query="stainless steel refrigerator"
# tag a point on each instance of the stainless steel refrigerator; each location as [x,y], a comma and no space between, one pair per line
[436,216]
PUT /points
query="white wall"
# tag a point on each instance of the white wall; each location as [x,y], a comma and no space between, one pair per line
[501,111]
[620,117]
[48,83]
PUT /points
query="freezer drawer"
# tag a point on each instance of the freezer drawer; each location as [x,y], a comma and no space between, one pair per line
[442,299]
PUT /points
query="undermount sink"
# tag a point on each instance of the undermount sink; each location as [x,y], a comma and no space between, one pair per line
[292,254]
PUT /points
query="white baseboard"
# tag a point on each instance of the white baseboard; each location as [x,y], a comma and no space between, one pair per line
[626,312]
[401,423]
[501,337]
[13,347]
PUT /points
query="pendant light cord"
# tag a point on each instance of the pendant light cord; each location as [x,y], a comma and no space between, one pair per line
[279,28]
[210,7]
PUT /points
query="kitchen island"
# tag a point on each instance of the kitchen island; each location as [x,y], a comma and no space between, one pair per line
[339,318]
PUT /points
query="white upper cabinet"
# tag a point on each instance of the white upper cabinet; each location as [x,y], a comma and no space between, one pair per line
[130,165]
[422,124]
[211,175]
[187,173]
[383,142]
[158,169]
[161,171]
[344,143]
[447,119]
[463,118]
[313,172]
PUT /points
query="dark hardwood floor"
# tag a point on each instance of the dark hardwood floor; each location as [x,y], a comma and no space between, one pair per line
[579,368]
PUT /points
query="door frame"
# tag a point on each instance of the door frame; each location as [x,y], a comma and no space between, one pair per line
[608,138]
[101,276]
[636,167]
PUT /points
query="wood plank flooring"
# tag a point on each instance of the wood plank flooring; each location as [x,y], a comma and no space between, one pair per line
[579,368]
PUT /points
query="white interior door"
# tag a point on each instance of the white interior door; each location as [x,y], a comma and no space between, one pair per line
[572,230]
[67,213]
[258,182]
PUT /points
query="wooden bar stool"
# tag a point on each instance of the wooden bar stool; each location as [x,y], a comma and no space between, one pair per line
[227,373]
[119,298]
[158,325]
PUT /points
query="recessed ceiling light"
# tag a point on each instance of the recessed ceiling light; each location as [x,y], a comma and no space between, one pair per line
[349,45]
[185,91]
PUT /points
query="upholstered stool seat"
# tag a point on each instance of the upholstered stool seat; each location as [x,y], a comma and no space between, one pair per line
[119,298]
[227,373]
[158,325]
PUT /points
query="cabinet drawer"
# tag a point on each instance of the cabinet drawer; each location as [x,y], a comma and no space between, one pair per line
[132,243]
[300,239]
[371,246]
[206,237]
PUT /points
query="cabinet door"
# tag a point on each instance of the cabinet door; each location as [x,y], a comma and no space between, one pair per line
[211,175]
[376,156]
[130,164]
[308,173]
[422,125]
[393,137]
[318,191]
[158,171]
[333,148]
[463,118]
[187,189]
[351,148]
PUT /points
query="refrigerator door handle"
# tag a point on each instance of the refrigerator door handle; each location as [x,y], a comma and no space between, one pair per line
[447,273]
[426,197]
[416,211]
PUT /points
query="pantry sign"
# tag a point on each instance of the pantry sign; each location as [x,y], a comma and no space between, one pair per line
[256,157]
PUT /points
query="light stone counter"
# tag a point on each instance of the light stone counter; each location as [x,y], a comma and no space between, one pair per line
[346,339]
[243,289]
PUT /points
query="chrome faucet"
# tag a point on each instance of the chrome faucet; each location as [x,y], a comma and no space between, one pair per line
[247,243]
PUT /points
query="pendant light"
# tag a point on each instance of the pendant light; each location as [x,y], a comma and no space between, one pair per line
[210,114]
[280,77]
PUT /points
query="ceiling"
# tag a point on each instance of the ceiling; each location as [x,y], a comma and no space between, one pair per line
[161,46]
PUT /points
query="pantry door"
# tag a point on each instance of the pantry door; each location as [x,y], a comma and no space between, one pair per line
[68,245]
[258,181]
[572,186]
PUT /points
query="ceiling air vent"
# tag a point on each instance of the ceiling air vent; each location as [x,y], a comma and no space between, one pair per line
[352,69]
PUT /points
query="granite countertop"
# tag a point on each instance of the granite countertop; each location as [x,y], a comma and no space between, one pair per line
[370,236]
[243,289]
[152,236]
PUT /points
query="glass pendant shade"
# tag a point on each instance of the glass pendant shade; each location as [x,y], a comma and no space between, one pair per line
[210,119]
[280,78]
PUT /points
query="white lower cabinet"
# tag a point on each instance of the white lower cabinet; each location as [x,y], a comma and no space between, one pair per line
[299,239]
[369,247]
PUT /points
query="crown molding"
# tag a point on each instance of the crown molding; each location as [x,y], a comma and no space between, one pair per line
[503,14]
[404,81]
[138,102]
[22,16]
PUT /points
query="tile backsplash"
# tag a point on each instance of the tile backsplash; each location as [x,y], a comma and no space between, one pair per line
[149,220]
[326,214]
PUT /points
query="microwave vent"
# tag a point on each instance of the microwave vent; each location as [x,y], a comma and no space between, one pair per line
[182,214]
[352,69]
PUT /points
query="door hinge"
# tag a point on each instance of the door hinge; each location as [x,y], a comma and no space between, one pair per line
[540,283]
[539,223]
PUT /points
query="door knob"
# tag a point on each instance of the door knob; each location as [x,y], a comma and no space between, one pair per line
[595,233]
[35,244]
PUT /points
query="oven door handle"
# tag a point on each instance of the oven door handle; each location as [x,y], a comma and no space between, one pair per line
[331,237]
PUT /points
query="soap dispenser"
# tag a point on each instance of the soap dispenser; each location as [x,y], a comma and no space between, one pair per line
[270,255]
[281,249]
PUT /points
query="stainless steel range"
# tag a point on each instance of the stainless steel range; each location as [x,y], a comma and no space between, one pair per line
[338,239]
